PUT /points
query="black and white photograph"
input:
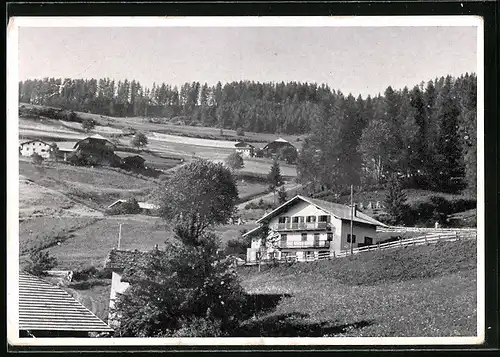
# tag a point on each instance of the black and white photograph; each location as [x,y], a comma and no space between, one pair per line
[245,180]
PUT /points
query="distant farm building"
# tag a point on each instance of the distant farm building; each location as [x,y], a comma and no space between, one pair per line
[275,146]
[30,147]
[65,148]
[95,142]
[95,150]
[245,149]
[46,310]
[133,162]
[146,207]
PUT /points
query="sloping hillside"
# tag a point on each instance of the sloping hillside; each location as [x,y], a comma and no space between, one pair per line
[415,291]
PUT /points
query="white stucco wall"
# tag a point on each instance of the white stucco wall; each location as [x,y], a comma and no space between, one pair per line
[360,231]
[117,287]
[35,146]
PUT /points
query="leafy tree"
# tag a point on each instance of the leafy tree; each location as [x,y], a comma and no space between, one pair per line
[395,200]
[139,140]
[36,159]
[184,290]
[88,124]
[40,262]
[190,288]
[199,195]
[289,154]
[234,161]
[240,131]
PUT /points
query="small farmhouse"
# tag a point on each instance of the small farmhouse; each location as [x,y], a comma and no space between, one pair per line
[245,149]
[65,148]
[45,310]
[95,142]
[146,207]
[133,162]
[303,227]
[275,146]
[30,147]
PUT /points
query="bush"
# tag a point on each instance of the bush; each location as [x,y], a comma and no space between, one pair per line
[240,132]
[259,205]
[236,247]
[199,327]
[40,262]
[36,159]
[88,124]
[91,273]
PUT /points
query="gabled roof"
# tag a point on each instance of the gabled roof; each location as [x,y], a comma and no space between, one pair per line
[43,306]
[335,209]
[32,141]
[95,137]
[143,205]
[281,140]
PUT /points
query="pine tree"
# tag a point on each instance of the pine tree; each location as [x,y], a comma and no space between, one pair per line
[395,200]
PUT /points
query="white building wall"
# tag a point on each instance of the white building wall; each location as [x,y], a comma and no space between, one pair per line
[300,209]
[40,148]
[117,287]
[360,231]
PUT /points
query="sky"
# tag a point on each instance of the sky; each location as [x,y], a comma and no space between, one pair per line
[357,60]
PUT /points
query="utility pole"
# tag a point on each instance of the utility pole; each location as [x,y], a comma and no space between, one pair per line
[119,236]
[352,209]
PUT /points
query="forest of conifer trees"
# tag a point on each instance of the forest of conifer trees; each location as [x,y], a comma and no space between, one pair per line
[425,134]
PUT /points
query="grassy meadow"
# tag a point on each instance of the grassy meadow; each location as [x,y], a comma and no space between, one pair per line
[425,291]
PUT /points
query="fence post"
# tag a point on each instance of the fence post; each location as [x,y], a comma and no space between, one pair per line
[400,242]
[378,245]
[333,254]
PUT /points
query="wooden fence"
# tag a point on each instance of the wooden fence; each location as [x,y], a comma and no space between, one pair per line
[425,239]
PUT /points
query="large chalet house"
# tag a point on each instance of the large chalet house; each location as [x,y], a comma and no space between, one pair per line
[303,227]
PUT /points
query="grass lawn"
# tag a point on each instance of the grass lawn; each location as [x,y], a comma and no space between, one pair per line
[425,291]
[248,189]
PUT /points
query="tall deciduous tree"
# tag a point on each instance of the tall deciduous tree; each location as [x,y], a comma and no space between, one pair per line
[199,195]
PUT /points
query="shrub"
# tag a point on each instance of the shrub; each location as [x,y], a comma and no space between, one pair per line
[199,327]
[40,262]
[240,132]
[234,161]
[235,247]
[88,124]
[36,159]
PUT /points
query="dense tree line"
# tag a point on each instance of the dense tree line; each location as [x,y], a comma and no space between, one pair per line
[426,136]
[426,133]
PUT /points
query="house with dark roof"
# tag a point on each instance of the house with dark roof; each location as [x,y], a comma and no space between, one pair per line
[245,149]
[275,146]
[303,227]
[46,310]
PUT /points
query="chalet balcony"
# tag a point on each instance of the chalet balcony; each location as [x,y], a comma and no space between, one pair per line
[302,226]
[317,244]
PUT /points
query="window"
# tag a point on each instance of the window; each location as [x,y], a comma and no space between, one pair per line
[304,237]
[309,255]
[311,219]
[43,150]
[329,237]
[283,237]
[316,236]
[349,238]
[368,241]
[295,219]
[284,219]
